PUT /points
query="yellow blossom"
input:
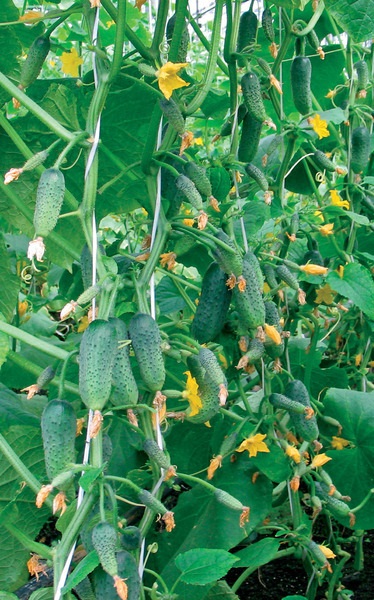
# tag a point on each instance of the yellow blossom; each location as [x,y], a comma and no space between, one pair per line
[191,394]
[273,334]
[319,126]
[319,460]
[71,62]
[358,359]
[199,141]
[326,551]
[341,271]
[318,214]
[325,295]
[314,269]
[293,453]
[331,94]
[168,79]
[338,443]
[254,444]
[188,222]
[110,24]
[83,324]
[327,229]
[215,464]
[337,201]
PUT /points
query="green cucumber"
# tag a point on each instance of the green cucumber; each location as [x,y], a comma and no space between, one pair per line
[268,25]
[197,174]
[301,74]
[184,39]
[305,427]
[127,570]
[337,507]
[313,41]
[362,71]
[252,96]
[155,453]
[49,199]
[86,264]
[270,276]
[255,173]
[287,277]
[227,126]
[255,352]
[105,541]
[58,424]
[173,114]
[230,262]
[124,389]
[247,35]
[131,538]
[314,257]
[45,377]
[285,403]
[360,148]
[252,259]
[213,371]
[190,191]
[146,341]
[323,162]
[213,305]
[317,554]
[272,318]
[249,303]
[96,359]
[36,56]
[249,138]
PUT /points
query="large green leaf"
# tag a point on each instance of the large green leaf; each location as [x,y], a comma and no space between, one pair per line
[10,47]
[356,17]
[9,284]
[351,469]
[357,285]
[259,553]
[204,565]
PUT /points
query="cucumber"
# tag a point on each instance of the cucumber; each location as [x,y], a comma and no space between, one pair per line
[184,39]
[227,126]
[127,570]
[58,425]
[270,276]
[173,114]
[175,204]
[337,507]
[313,41]
[323,162]
[247,35]
[362,71]
[272,318]
[268,25]
[213,372]
[131,538]
[252,259]
[146,341]
[213,305]
[96,359]
[301,74]
[49,199]
[249,303]
[190,191]
[360,149]
[155,453]
[36,56]
[314,257]
[207,391]
[249,138]
[289,278]
[230,262]
[104,540]
[255,173]
[254,352]
[305,425]
[86,264]
[45,377]
[252,96]
[285,403]
[197,174]
[124,389]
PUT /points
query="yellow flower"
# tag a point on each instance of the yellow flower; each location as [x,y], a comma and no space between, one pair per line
[358,359]
[331,94]
[254,444]
[327,229]
[326,551]
[293,453]
[319,460]
[325,295]
[31,15]
[317,213]
[319,126]
[341,271]
[339,443]
[110,24]
[168,79]
[199,141]
[273,334]
[71,62]
[337,201]
[191,394]
[188,222]
[314,269]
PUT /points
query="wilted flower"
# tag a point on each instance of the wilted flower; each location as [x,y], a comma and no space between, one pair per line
[36,249]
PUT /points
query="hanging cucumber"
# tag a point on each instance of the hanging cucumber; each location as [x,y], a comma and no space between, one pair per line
[36,56]
[323,162]
[146,341]
[305,425]
[360,149]
[155,453]
[49,199]
[124,389]
[247,35]
[362,71]
[285,403]
[105,541]
[226,128]
[289,278]
[58,424]
[249,138]
[197,174]
[252,96]
[127,570]
[301,74]
[190,191]
[184,39]
[173,114]
[255,173]
[272,319]
[208,393]
[252,259]
[213,305]
[214,375]
[96,359]
[270,276]
[249,303]
[313,41]
[268,24]
[230,262]
[255,352]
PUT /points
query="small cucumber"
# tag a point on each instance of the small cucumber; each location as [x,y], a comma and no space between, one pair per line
[247,34]
[227,126]
[58,424]
[45,377]
[155,453]
[272,318]
[249,303]
[323,162]
[213,372]
[255,351]
[96,359]
[301,74]
[49,199]
[313,41]
[268,25]
[249,138]
[314,257]
[124,389]
[36,56]
[252,259]
[230,262]
[360,149]
[197,174]
[337,507]
[255,173]
[105,541]
[362,71]
[131,538]
[305,425]
[173,114]
[252,96]
[127,570]
[190,191]
[184,39]
[270,276]
[146,341]
[213,305]
[289,278]
[285,403]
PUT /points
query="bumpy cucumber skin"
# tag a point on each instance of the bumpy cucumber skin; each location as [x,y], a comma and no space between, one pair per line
[268,25]
[249,138]
[255,173]
[127,570]
[362,74]
[124,389]
[313,40]
[189,189]
[252,259]
[251,89]
[285,403]
[227,126]
[214,373]
[96,359]
[270,276]
[337,507]
[58,432]
[247,34]
[146,341]
[155,453]
[272,318]
[131,538]
[289,278]
[213,305]
[301,75]
[230,262]
[306,428]
[35,59]
[208,392]
[256,350]
[323,162]
[184,38]
[172,112]
[198,176]
[45,377]
[104,540]
[360,149]
[49,199]
[249,303]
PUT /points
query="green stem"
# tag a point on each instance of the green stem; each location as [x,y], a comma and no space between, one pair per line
[312,23]
[250,570]
[131,36]
[63,373]
[285,165]
[119,40]
[206,43]
[33,341]
[41,549]
[335,577]
[151,140]
[159,32]
[66,150]
[311,359]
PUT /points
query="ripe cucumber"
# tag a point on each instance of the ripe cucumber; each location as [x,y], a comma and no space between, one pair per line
[173,114]
[289,278]
[96,359]
[49,199]
[252,259]
[124,389]
[360,149]
[247,34]
[104,540]
[301,74]
[127,570]
[323,162]
[249,138]
[255,173]
[230,262]
[146,341]
[249,303]
[362,74]
[183,40]
[213,305]
[305,427]
[268,25]
[58,424]
[285,403]
[197,174]
[35,59]
[190,191]
[252,96]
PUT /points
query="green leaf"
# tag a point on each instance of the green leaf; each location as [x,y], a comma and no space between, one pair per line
[10,46]
[355,17]
[357,285]
[42,594]
[360,219]
[12,412]
[89,477]
[351,469]
[84,568]
[220,181]
[294,598]
[258,554]
[221,591]
[274,464]
[168,297]
[9,285]
[204,565]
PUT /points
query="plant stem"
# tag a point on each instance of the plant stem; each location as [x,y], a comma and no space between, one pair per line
[158,34]
[206,43]
[250,570]
[41,549]
[33,341]
[131,36]
[119,40]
